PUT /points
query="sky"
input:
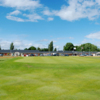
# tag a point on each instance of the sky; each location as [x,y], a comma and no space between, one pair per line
[38,22]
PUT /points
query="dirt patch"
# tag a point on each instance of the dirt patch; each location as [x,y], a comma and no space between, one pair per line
[7,57]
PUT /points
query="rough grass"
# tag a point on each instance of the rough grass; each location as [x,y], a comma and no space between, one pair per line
[50,78]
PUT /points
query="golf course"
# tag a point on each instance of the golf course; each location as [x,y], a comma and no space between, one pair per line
[50,78]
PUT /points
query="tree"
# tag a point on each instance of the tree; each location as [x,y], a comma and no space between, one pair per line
[32,48]
[87,47]
[0,47]
[44,49]
[78,48]
[98,49]
[55,49]
[25,49]
[12,46]
[50,46]
[68,47]
[38,48]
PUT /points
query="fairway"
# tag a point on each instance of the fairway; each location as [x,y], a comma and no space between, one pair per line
[50,78]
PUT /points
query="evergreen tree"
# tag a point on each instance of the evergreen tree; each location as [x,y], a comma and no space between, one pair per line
[0,47]
[38,48]
[11,46]
[50,47]
[55,49]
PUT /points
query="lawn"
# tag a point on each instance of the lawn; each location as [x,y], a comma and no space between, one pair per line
[50,78]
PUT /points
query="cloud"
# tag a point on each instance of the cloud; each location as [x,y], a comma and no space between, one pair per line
[78,9]
[50,19]
[98,1]
[97,44]
[5,44]
[86,41]
[94,35]
[63,38]
[0,39]
[57,47]
[28,17]
[54,41]
[47,12]
[33,17]
[44,40]
[12,16]
[18,44]
[97,23]
[41,45]
[32,10]
[19,35]
[71,38]
[21,4]
[16,12]
[22,44]
[20,7]
[15,18]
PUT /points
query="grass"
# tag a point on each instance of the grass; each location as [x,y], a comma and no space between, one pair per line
[50,78]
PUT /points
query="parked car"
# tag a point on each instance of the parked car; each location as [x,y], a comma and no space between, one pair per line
[24,55]
[90,55]
[48,54]
[32,55]
[85,55]
[82,55]
[1,54]
[54,54]
[35,54]
[66,55]
[62,55]
[41,55]
[27,55]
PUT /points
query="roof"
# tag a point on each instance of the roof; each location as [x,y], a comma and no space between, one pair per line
[21,51]
[37,51]
[98,53]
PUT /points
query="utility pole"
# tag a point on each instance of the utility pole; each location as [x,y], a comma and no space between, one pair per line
[81,48]
[89,51]
[74,49]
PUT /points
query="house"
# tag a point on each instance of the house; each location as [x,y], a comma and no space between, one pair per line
[39,53]
[98,54]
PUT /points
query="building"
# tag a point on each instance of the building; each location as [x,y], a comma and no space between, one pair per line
[41,53]
[98,54]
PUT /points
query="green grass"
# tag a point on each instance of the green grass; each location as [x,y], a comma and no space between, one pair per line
[50,78]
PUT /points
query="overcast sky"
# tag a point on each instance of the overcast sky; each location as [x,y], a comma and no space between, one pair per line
[37,22]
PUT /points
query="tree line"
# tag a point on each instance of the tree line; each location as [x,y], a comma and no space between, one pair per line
[67,47]
[50,48]
[82,47]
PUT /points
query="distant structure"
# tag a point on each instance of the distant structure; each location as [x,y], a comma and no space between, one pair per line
[45,53]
